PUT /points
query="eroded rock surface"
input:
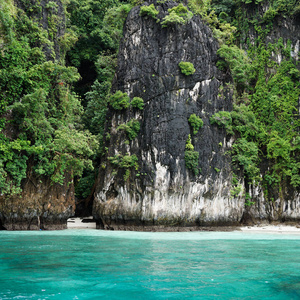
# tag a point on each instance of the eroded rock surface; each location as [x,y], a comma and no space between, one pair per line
[42,205]
[163,191]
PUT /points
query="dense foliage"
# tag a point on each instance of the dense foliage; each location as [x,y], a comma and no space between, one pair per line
[40,119]
[177,15]
[138,103]
[131,128]
[55,89]
[265,119]
[150,11]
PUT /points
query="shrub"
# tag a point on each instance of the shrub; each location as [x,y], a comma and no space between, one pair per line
[191,160]
[246,154]
[177,15]
[191,157]
[223,118]
[172,19]
[150,11]
[125,162]
[186,68]
[181,11]
[131,128]
[137,102]
[196,122]
[189,145]
[296,10]
[270,14]
[119,100]
[239,64]
[129,161]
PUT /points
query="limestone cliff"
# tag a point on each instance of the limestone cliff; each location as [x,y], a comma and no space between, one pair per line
[162,190]
[42,205]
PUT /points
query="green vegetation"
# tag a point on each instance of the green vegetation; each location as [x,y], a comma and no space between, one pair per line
[186,68]
[196,123]
[55,90]
[237,188]
[131,128]
[119,100]
[264,121]
[138,103]
[239,64]
[150,11]
[38,106]
[191,157]
[126,162]
[177,15]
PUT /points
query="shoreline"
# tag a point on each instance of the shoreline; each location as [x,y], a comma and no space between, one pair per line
[277,229]
[90,223]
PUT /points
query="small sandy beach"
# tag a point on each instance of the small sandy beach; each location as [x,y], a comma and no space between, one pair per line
[280,229]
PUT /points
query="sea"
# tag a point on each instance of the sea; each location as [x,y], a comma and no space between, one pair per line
[96,264]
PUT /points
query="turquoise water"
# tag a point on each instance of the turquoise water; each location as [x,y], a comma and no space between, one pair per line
[94,264]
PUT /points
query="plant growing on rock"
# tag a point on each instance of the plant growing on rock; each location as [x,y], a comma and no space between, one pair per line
[177,15]
[191,157]
[222,118]
[186,68]
[149,10]
[239,64]
[131,128]
[119,100]
[126,162]
[196,122]
[137,102]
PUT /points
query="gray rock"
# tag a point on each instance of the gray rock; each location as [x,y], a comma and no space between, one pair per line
[166,192]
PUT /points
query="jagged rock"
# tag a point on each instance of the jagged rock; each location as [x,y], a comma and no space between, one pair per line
[166,192]
[42,205]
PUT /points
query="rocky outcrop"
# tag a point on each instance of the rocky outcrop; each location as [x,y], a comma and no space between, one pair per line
[42,205]
[162,190]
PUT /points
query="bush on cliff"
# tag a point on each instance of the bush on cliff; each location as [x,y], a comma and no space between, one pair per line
[191,157]
[196,123]
[186,68]
[177,15]
[150,11]
[131,128]
[119,100]
[137,102]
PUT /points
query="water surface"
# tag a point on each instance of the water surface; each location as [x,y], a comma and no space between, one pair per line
[94,264]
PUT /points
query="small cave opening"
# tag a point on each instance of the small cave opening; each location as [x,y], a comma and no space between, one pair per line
[84,194]
[84,207]
[88,76]
[1,226]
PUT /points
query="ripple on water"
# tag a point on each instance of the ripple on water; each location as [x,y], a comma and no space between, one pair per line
[88,264]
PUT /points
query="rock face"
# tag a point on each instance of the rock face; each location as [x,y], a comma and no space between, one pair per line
[163,191]
[42,205]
